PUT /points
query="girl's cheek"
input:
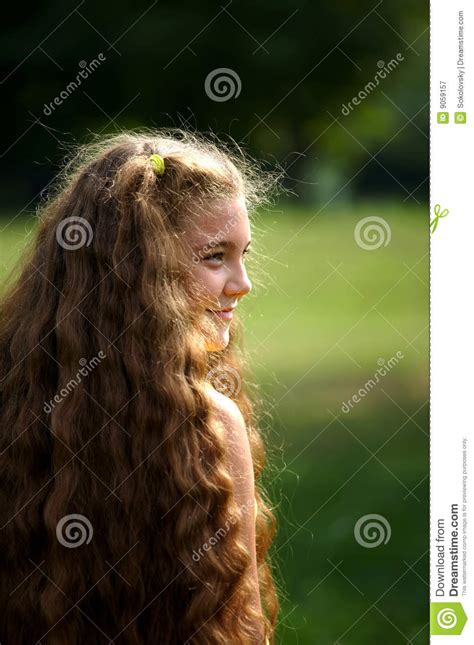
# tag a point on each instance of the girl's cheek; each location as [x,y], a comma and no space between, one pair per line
[213,280]
[209,282]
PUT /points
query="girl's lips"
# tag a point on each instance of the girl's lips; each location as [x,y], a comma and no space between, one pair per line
[224,315]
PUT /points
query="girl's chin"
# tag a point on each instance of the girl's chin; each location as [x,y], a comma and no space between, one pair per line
[214,348]
[215,332]
[217,341]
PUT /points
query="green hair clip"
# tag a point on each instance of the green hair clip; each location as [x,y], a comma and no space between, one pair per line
[158,164]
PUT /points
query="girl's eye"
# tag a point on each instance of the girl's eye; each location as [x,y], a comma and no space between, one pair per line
[214,257]
[218,257]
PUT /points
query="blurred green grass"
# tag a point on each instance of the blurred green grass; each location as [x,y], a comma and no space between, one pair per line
[321,314]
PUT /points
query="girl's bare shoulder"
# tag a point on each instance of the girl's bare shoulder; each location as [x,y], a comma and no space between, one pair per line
[230,424]
[225,410]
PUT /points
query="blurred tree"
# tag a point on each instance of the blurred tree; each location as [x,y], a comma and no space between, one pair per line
[292,68]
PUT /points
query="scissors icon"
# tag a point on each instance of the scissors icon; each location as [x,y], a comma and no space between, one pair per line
[438,215]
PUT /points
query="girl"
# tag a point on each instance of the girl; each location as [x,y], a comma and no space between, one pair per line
[130,506]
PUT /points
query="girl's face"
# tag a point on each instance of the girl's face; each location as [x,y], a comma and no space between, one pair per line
[218,246]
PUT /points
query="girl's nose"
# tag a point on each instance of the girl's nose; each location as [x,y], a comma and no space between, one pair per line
[238,285]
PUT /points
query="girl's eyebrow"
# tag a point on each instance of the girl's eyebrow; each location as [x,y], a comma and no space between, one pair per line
[226,244]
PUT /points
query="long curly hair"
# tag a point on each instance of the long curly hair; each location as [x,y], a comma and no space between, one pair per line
[111,473]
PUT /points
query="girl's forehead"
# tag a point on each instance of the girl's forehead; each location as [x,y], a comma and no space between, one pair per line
[227,219]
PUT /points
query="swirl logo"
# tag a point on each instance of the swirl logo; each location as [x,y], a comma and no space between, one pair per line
[74,530]
[372,232]
[447,618]
[225,380]
[222,84]
[371,530]
[73,233]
